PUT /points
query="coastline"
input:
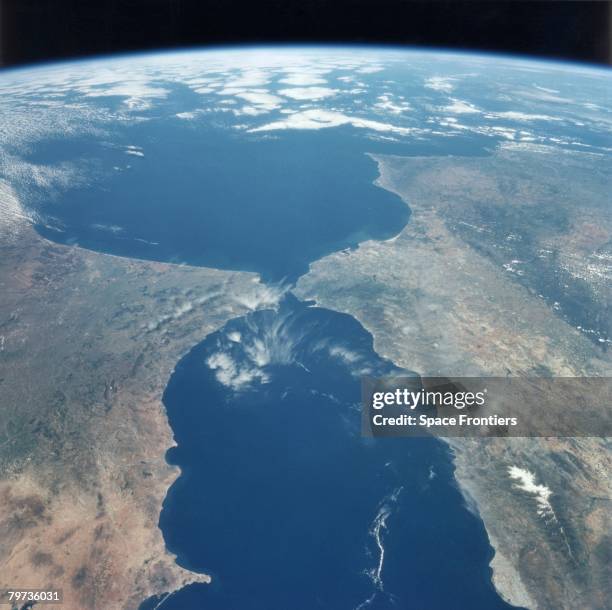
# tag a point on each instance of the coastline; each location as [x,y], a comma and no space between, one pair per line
[436,306]
[103,355]
[505,576]
[90,467]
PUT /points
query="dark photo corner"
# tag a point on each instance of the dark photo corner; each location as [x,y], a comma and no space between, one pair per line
[43,30]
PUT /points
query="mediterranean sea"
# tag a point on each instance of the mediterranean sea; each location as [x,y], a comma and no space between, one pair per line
[283,501]
[173,192]
[280,499]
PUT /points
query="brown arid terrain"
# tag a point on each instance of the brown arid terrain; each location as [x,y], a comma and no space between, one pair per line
[496,273]
[453,294]
[87,344]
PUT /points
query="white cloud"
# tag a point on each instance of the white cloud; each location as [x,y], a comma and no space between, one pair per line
[250,78]
[264,296]
[137,94]
[461,107]
[262,99]
[324,119]
[12,215]
[541,493]
[521,116]
[386,103]
[346,355]
[232,375]
[504,132]
[308,93]
[175,313]
[115,229]
[369,69]
[303,79]
[21,173]
[135,151]
[440,83]
[546,89]
[250,111]
[231,91]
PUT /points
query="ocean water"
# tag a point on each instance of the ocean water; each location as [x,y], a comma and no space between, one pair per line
[202,195]
[279,498]
[285,504]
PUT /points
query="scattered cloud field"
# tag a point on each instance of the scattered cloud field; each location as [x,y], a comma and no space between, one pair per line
[386,95]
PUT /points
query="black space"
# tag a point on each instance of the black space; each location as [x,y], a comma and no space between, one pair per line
[41,30]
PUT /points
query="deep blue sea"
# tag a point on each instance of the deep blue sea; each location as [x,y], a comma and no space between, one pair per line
[280,499]
[205,196]
[203,193]
[285,504]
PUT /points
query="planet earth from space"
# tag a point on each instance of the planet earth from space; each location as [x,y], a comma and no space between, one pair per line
[201,254]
